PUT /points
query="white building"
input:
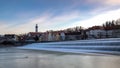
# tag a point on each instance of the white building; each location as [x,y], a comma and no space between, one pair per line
[96,33]
[116,33]
[50,38]
[62,34]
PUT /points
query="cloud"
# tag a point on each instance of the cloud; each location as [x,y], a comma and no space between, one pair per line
[112,2]
[96,6]
[105,2]
[3,27]
[47,22]
[99,19]
[76,13]
[103,6]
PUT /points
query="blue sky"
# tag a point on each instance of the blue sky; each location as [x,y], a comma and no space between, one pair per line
[20,16]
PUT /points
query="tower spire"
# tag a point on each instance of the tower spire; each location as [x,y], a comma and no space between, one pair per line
[36,28]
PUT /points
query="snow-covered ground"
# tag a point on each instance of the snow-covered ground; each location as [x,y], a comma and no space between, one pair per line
[111,45]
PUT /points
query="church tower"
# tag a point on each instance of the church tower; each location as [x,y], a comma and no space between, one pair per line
[36,28]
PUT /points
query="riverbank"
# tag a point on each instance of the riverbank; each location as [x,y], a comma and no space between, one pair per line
[11,45]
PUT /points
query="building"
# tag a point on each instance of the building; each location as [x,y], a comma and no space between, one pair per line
[32,35]
[36,28]
[73,35]
[62,35]
[116,33]
[96,32]
[11,37]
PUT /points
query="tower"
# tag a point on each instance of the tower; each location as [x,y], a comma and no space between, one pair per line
[36,28]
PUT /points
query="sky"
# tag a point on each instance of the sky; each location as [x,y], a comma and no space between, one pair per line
[21,16]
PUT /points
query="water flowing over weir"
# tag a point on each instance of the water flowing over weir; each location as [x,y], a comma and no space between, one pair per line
[107,46]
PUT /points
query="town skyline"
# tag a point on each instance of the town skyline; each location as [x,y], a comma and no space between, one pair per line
[20,16]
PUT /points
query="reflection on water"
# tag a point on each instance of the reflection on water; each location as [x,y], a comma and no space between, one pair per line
[12,58]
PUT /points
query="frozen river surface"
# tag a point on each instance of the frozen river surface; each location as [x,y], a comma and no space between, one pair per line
[17,58]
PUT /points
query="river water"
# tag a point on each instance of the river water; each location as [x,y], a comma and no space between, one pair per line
[16,58]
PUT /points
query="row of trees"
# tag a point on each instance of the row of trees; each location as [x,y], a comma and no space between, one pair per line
[75,29]
[111,25]
[108,25]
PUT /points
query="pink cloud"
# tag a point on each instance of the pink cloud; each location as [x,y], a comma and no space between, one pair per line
[105,2]
[4,27]
[112,2]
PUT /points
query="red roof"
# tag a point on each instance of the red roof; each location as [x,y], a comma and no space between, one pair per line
[95,27]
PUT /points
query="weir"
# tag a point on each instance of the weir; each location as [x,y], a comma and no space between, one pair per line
[108,46]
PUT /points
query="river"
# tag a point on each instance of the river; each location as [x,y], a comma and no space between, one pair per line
[20,58]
